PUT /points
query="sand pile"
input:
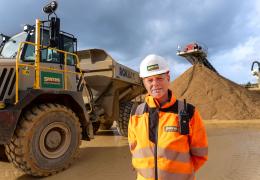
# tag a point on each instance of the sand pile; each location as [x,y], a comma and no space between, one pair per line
[215,96]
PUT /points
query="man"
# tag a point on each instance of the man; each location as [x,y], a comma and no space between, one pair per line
[163,147]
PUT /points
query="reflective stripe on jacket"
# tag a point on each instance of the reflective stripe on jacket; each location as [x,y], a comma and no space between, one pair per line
[171,156]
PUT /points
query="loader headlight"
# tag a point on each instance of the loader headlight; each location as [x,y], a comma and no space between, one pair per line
[27,28]
[4,37]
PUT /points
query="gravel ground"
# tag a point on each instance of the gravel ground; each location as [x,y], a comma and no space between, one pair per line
[233,154]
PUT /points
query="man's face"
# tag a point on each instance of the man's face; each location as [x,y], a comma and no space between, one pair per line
[158,85]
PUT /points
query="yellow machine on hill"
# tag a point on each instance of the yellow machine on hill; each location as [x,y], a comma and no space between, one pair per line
[256,72]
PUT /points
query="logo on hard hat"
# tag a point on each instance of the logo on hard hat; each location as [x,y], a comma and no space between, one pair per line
[152,67]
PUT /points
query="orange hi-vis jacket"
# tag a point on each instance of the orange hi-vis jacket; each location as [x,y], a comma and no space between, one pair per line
[159,151]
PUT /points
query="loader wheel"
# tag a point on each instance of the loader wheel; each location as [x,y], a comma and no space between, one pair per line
[46,140]
[124,115]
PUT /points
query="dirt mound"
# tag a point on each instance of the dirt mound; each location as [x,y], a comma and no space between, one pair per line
[215,96]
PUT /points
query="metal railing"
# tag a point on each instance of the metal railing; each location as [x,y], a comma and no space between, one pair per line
[37,68]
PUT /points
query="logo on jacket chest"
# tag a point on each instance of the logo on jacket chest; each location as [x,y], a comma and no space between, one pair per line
[171,129]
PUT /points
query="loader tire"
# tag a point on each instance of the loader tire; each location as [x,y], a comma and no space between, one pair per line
[124,115]
[46,140]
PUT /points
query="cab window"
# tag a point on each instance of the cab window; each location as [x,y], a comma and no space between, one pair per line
[49,55]
[9,50]
[69,47]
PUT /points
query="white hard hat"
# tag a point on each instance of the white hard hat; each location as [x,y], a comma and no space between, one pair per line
[153,65]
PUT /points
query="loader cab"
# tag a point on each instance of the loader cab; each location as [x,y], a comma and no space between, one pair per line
[45,55]
[10,47]
[52,72]
[67,43]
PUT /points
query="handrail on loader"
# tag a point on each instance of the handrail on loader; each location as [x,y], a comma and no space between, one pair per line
[37,67]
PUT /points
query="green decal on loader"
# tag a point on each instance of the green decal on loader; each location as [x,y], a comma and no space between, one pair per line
[51,80]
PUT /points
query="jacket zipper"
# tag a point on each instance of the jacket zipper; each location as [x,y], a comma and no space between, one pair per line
[155,152]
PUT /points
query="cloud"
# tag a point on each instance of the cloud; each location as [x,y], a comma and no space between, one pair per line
[237,61]
[129,30]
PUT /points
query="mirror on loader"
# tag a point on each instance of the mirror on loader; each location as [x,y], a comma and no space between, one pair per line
[54,31]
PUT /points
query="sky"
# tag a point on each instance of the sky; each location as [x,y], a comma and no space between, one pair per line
[129,30]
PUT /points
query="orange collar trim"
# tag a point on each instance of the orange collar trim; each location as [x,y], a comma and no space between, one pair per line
[153,103]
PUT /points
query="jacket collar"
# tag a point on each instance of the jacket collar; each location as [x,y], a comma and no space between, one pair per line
[153,103]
